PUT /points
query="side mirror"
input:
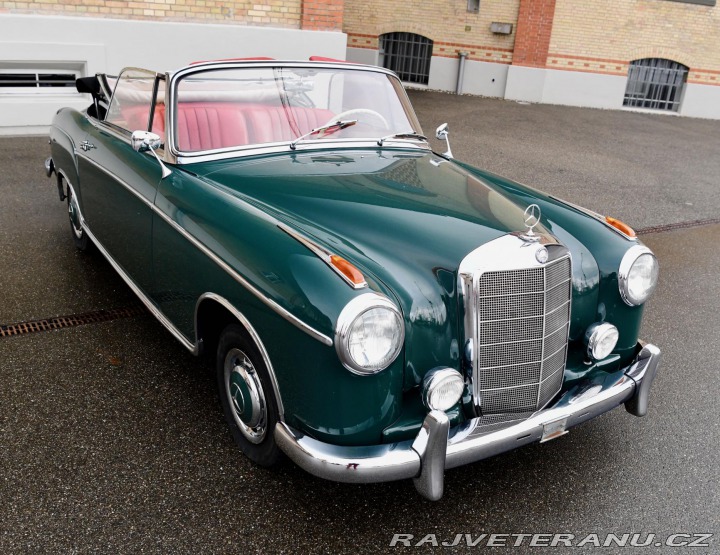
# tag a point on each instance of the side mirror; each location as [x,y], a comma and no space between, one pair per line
[441,133]
[142,141]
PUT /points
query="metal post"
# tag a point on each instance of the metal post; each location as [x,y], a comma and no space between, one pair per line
[461,72]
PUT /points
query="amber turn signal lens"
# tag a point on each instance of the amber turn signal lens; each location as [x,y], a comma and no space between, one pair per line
[617,224]
[347,269]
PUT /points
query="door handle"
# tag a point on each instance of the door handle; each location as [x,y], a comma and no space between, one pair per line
[87,145]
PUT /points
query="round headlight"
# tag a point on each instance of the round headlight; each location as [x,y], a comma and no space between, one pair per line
[369,334]
[442,388]
[601,340]
[638,274]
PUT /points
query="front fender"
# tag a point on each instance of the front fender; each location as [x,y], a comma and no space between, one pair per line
[267,275]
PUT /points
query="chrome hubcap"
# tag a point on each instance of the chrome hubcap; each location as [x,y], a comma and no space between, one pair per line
[246,396]
[74,216]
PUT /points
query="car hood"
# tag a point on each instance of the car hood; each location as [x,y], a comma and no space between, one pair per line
[393,213]
[406,219]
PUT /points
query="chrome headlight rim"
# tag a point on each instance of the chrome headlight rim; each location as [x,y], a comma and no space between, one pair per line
[349,314]
[626,264]
[434,379]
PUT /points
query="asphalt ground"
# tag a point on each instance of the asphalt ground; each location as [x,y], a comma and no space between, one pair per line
[112,439]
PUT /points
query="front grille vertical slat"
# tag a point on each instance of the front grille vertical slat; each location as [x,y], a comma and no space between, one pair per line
[523,319]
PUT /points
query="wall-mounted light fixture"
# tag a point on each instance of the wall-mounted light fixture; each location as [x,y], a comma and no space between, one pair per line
[501,28]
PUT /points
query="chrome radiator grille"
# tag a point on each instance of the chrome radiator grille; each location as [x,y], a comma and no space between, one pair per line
[523,317]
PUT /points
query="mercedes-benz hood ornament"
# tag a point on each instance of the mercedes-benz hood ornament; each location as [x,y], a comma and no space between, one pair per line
[532,219]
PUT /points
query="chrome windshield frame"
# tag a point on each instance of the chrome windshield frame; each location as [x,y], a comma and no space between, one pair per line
[175,156]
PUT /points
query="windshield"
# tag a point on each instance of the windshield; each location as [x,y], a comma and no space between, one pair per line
[228,108]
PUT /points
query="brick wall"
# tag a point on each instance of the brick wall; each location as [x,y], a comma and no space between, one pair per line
[447,22]
[534,27]
[272,13]
[603,37]
[322,15]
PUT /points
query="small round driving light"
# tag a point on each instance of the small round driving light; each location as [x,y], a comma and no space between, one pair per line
[442,388]
[637,275]
[601,340]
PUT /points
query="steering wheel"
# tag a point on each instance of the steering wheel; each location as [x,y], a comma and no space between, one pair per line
[346,113]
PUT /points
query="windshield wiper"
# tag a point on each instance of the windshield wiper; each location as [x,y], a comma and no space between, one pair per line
[325,130]
[407,135]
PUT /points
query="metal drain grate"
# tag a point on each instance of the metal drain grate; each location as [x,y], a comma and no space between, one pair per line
[48,324]
[679,225]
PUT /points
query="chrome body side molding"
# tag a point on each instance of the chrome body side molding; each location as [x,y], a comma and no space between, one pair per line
[122,182]
[154,310]
[287,315]
[195,347]
[322,253]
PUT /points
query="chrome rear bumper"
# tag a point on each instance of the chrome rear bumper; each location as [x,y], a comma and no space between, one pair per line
[437,447]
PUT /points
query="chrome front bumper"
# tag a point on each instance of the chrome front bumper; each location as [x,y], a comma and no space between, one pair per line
[437,447]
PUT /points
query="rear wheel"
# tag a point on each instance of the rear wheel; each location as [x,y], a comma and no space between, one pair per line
[80,238]
[247,396]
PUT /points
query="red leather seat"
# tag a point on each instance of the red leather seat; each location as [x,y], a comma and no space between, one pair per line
[210,125]
[213,125]
[269,124]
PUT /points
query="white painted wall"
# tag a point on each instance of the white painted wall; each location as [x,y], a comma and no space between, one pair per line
[569,88]
[443,74]
[591,90]
[486,79]
[701,101]
[525,84]
[362,56]
[480,78]
[108,45]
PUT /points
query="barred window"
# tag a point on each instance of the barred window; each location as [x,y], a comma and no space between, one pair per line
[408,55]
[33,81]
[655,83]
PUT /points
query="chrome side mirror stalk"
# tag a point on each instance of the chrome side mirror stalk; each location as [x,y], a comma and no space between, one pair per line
[441,133]
[142,141]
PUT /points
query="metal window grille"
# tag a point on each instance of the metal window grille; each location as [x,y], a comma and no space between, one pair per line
[655,83]
[408,55]
[23,81]
[36,80]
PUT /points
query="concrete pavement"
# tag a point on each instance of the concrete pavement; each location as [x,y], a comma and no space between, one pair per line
[112,438]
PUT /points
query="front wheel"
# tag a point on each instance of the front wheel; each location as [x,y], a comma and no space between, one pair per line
[247,396]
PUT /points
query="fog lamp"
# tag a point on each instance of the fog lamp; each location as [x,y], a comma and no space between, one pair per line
[442,388]
[601,340]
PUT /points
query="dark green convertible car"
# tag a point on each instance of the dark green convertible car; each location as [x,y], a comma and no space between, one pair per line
[377,310]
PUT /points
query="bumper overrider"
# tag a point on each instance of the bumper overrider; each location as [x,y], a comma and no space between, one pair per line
[437,447]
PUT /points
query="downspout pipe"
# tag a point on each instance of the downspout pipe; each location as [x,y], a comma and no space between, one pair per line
[461,72]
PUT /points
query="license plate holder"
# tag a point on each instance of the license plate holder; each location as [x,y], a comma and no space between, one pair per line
[554,429]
